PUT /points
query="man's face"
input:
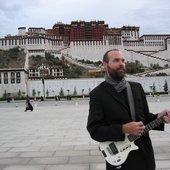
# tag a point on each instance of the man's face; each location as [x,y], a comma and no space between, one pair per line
[115,68]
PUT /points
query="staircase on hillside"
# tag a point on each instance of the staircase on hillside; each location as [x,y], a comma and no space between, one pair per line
[151,55]
[63,53]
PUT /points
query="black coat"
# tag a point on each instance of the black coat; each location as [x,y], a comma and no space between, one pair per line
[108,113]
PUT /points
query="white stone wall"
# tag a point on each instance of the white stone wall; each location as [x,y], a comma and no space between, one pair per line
[37,43]
[92,52]
[54,86]
[144,48]
[95,53]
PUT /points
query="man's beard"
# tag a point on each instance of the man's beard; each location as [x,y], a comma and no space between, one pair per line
[117,74]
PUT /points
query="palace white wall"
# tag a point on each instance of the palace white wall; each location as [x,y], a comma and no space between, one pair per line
[35,44]
[95,53]
[85,84]
[54,86]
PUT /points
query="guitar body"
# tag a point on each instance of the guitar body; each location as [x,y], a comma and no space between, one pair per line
[116,153]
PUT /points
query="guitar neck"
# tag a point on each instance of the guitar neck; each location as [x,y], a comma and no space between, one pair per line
[148,127]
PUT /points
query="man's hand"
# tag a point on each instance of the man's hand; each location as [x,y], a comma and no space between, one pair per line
[166,115]
[134,128]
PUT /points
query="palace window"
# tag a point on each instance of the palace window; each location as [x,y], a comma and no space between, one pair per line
[5,81]
[5,78]
[12,80]
[12,74]
[18,74]
[5,74]
[18,80]
[18,77]
[12,77]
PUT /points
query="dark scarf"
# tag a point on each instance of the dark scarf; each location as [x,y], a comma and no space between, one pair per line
[118,85]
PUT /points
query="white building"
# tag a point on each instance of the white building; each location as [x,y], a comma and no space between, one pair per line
[35,41]
[12,81]
[48,72]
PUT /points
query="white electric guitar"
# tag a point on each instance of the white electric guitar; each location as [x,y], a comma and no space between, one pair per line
[116,153]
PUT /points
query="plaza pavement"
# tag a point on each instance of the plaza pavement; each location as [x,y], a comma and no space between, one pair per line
[54,137]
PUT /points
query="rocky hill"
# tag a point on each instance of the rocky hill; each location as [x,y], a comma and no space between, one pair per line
[13,58]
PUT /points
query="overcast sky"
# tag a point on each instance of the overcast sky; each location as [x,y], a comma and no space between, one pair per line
[153,16]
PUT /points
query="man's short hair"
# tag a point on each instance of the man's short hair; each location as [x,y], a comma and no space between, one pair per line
[106,57]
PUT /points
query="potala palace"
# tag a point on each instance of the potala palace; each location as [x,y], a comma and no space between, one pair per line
[88,40]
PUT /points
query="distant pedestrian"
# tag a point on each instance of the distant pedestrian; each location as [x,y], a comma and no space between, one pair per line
[42,99]
[28,104]
[8,99]
[57,98]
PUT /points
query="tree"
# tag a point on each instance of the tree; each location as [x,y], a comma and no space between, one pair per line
[134,67]
[61,93]
[75,92]
[33,92]
[47,93]
[155,66]
[154,88]
[38,93]
[19,93]
[5,95]
[166,86]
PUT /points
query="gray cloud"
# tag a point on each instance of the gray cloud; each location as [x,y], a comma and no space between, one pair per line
[152,16]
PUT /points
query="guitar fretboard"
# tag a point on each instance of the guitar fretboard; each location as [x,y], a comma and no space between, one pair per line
[148,127]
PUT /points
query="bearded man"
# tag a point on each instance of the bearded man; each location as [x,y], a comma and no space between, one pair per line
[115,111]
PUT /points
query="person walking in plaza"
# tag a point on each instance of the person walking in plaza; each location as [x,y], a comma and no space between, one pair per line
[118,108]
[28,104]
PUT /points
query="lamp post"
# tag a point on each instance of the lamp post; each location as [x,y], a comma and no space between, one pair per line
[82,93]
[43,87]
[151,90]
[42,74]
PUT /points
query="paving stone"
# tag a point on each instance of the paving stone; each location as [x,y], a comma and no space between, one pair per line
[86,147]
[86,159]
[99,166]
[16,144]
[95,152]
[163,164]
[4,149]
[71,153]
[8,155]
[57,148]
[25,149]
[48,161]
[24,168]
[14,161]
[69,167]
[36,154]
